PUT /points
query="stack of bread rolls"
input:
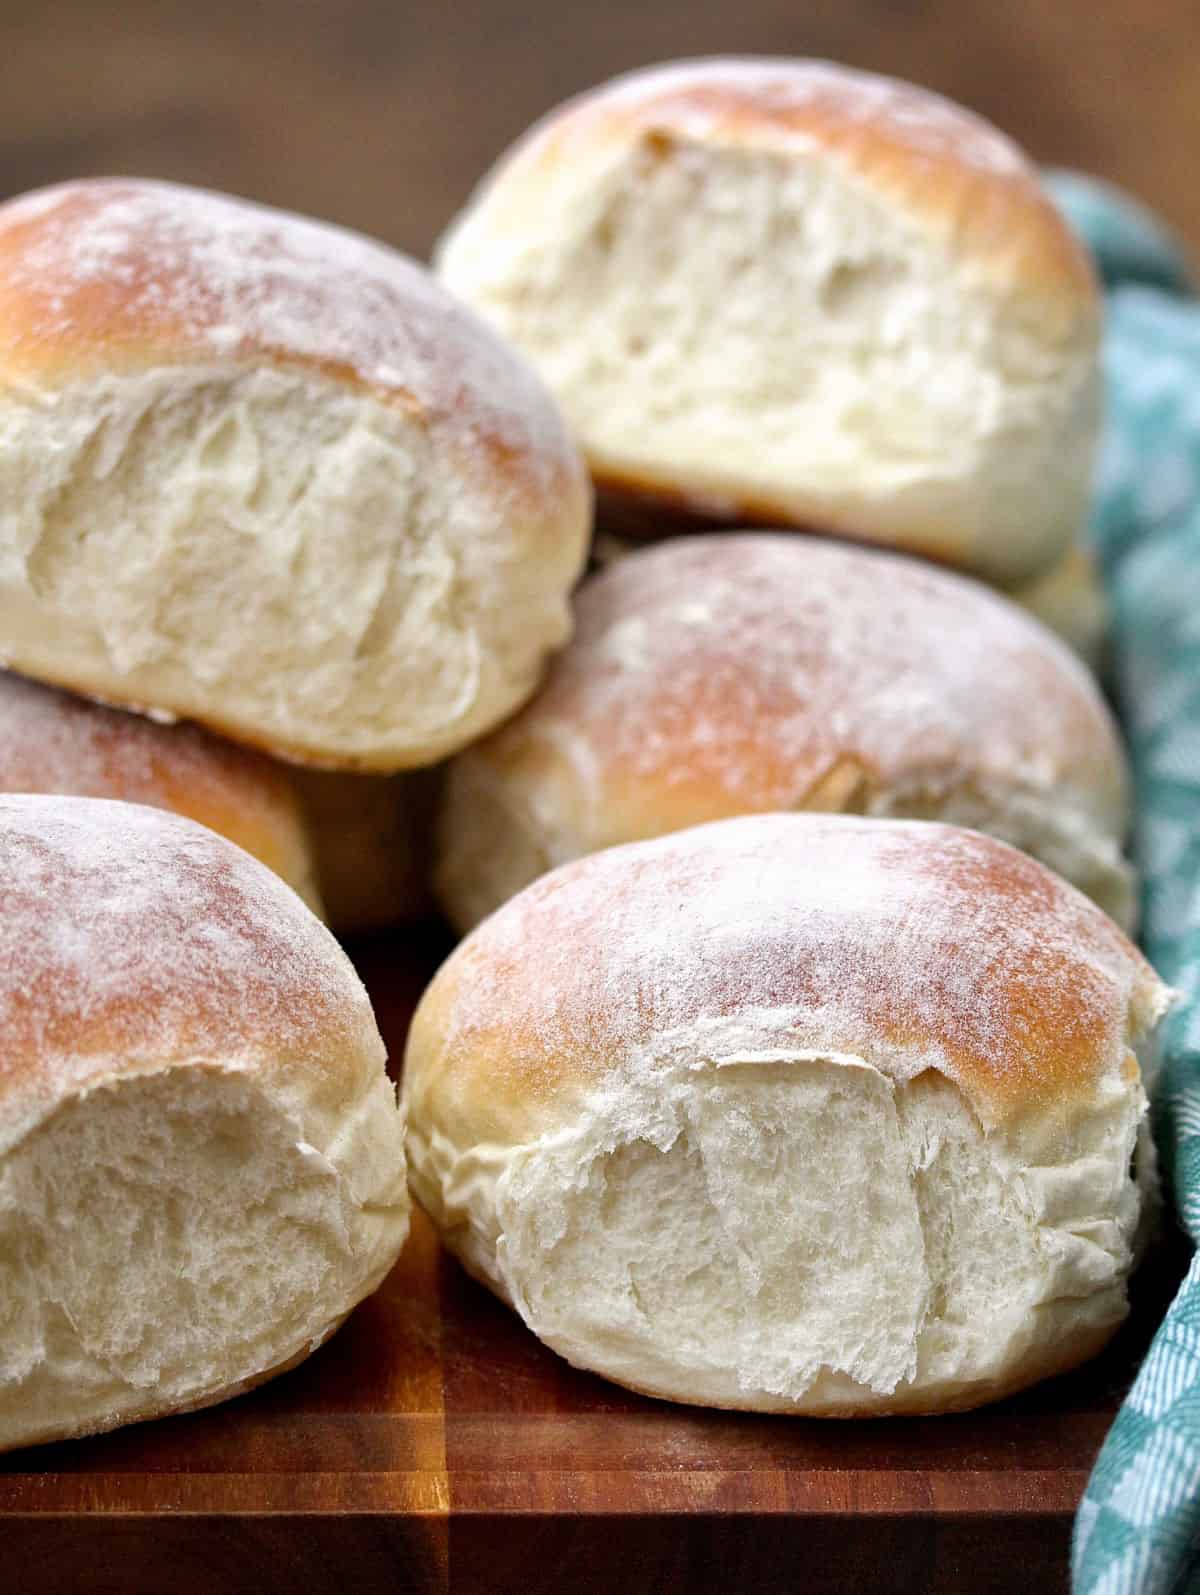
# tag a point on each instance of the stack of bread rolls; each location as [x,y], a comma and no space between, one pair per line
[798,1061]
[267,477]
[746,672]
[777,1122]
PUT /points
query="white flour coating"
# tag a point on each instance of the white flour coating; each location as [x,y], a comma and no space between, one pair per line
[345,516]
[234,279]
[131,938]
[54,742]
[906,944]
[779,292]
[795,1113]
[779,95]
[749,665]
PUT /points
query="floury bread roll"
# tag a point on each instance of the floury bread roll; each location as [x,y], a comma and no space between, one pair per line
[201,1160]
[726,674]
[373,836]
[53,742]
[1069,599]
[268,475]
[786,292]
[800,1113]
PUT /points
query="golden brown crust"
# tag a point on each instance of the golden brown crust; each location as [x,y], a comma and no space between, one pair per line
[946,163]
[133,940]
[121,275]
[724,675]
[222,727]
[53,742]
[838,177]
[909,944]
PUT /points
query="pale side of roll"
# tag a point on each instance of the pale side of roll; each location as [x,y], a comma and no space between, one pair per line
[789,293]
[54,742]
[728,674]
[373,837]
[201,1156]
[266,474]
[796,1113]
[1070,600]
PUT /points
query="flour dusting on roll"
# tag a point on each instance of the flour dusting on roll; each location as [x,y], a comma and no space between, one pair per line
[730,674]
[797,1113]
[267,474]
[201,1156]
[53,742]
[790,293]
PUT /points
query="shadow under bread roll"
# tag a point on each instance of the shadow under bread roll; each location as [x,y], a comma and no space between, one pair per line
[784,292]
[749,672]
[373,841]
[201,1156]
[795,1113]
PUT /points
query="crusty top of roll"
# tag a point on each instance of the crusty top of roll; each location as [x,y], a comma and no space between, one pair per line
[131,939]
[345,516]
[908,944]
[788,293]
[722,675]
[54,742]
[712,675]
[951,167]
[122,273]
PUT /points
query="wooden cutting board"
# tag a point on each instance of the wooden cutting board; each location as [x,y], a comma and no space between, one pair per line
[434,1445]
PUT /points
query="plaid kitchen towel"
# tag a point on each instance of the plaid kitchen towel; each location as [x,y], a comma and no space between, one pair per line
[1138,1528]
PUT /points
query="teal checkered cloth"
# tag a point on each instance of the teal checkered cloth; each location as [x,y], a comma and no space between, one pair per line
[1138,1528]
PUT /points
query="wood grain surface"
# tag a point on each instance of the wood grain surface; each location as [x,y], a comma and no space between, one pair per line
[381,114]
[434,1445]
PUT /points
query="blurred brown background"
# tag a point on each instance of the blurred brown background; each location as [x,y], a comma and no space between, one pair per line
[380,114]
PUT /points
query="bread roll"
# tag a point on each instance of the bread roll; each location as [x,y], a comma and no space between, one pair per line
[53,742]
[788,293]
[374,844]
[266,474]
[800,1113]
[1070,599]
[720,675]
[201,1161]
